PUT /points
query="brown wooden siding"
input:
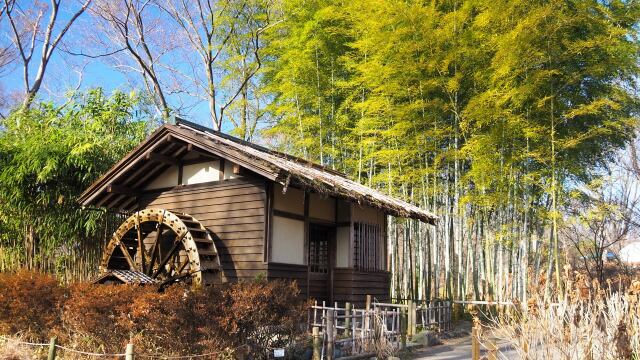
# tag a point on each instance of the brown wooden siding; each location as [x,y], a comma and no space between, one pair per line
[289,272]
[349,284]
[319,287]
[233,210]
[353,285]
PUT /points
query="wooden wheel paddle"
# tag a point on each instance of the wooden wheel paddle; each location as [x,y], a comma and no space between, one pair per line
[166,246]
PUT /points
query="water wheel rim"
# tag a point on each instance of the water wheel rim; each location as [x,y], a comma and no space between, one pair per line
[184,242]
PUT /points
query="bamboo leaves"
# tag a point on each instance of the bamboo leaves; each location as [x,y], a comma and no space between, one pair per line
[48,155]
[488,111]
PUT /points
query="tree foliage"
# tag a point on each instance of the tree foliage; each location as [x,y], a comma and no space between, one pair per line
[488,112]
[48,155]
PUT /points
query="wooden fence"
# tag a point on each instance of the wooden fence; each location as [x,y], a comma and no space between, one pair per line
[53,350]
[345,330]
[476,343]
[349,331]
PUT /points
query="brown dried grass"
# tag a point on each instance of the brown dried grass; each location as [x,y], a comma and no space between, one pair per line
[591,321]
[255,316]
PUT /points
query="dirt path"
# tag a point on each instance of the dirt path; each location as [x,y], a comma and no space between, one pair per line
[454,349]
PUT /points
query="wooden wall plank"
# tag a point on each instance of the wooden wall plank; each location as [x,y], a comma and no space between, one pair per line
[234,211]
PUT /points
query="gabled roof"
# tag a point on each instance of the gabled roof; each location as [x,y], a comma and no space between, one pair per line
[115,189]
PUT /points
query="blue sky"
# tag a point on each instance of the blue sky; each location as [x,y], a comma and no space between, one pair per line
[62,74]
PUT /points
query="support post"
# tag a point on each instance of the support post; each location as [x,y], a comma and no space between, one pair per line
[403,328]
[129,352]
[412,319]
[52,348]
[347,319]
[367,317]
[317,343]
[330,335]
[475,343]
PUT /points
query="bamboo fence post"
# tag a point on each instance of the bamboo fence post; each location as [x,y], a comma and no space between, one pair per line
[367,307]
[353,331]
[52,348]
[317,342]
[403,328]
[412,319]
[330,335]
[475,343]
[129,352]
[347,319]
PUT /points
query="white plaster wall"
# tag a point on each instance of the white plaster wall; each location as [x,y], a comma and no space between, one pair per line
[287,243]
[201,173]
[167,178]
[322,208]
[228,170]
[292,201]
[342,246]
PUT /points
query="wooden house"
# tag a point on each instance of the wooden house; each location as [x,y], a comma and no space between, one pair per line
[268,213]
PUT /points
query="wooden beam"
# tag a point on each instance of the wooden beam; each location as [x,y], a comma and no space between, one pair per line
[289,215]
[121,167]
[162,159]
[199,151]
[126,206]
[119,189]
[306,240]
[104,200]
[199,160]
[268,205]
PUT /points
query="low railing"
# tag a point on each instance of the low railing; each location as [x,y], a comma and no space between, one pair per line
[350,331]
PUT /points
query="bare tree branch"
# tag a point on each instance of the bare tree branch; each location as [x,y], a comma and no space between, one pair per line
[22,24]
[91,56]
[128,32]
[210,28]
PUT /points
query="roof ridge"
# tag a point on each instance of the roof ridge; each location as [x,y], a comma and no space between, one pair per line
[189,124]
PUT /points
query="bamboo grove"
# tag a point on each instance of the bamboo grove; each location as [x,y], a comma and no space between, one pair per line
[486,112]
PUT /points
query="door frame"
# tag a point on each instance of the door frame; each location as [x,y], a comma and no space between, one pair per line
[331,256]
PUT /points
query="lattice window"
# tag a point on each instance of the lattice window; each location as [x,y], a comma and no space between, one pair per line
[319,249]
[367,250]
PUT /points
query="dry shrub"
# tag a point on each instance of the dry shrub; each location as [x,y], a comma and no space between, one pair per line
[589,323]
[253,316]
[263,315]
[12,350]
[97,317]
[178,320]
[29,304]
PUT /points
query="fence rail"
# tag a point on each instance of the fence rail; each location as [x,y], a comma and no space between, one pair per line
[354,331]
[349,330]
[129,354]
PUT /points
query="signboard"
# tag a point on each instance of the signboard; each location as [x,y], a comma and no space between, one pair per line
[278,353]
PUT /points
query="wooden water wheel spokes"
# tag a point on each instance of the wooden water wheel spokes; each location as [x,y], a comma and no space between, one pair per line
[166,246]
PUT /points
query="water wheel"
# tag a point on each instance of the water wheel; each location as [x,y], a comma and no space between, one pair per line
[166,246]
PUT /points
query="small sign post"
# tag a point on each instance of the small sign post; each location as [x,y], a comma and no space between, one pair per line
[278,353]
